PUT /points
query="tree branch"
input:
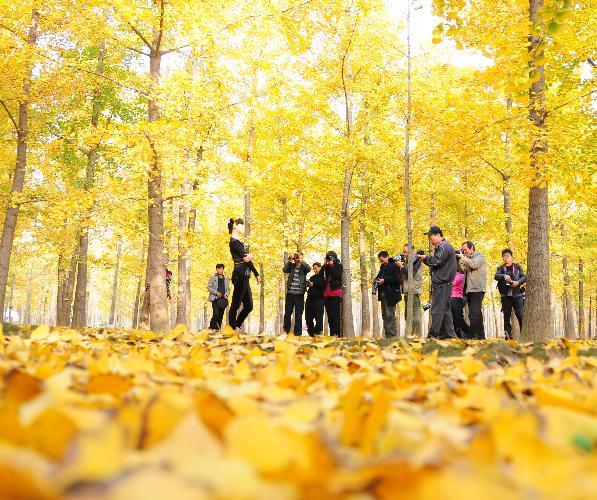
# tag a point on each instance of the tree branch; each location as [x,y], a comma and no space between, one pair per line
[12,119]
[502,174]
[139,34]
[164,52]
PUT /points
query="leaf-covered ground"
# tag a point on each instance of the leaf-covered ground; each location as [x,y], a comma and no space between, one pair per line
[127,415]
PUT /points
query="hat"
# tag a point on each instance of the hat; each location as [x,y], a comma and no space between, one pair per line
[434,230]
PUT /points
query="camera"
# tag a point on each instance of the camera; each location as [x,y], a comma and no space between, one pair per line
[459,252]
[426,306]
[375,286]
[401,258]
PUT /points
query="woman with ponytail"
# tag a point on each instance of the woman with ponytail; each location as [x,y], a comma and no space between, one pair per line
[243,267]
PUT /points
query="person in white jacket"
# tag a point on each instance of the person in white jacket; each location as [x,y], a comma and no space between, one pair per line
[218,287]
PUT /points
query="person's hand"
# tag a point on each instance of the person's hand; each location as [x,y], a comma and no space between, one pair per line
[422,257]
[459,256]
[247,258]
[381,281]
[310,285]
[218,294]
[514,284]
[258,279]
[507,278]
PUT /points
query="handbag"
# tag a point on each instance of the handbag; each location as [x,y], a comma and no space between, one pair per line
[222,302]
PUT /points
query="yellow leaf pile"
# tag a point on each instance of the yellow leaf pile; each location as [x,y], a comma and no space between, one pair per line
[123,414]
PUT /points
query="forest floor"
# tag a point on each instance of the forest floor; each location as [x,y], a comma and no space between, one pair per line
[121,414]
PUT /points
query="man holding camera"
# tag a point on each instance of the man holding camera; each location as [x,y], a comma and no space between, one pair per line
[443,269]
[416,285]
[219,290]
[474,265]
[510,278]
[295,292]
[389,281]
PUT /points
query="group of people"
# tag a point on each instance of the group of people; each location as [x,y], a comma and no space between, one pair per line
[458,278]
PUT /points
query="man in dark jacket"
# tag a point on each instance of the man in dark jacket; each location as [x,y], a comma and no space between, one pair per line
[389,281]
[510,277]
[297,271]
[443,269]
[314,306]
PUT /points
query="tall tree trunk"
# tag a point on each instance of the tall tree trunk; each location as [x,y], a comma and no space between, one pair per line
[158,302]
[11,298]
[261,301]
[375,331]
[582,332]
[80,303]
[409,225]
[65,289]
[347,320]
[537,320]
[365,310]
[135,320]
[115,281]
[27,315]
[283,281]
[182,315]
[569,325]
[506,190]
[21,125]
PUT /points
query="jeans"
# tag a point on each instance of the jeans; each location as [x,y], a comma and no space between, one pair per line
[332,308]
[461,328]
[314,316]
[294,303]
[441,314]
[241,294]
[388,315]
[475,314]
[416,329]
[217,316]
[509,303]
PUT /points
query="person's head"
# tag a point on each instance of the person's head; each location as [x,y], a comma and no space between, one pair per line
[405,250]
[507,256]
[383,256]
[331,256]
[236,225]
[220,269]
[297,258]
[435,235]
[468,248]
[316,267]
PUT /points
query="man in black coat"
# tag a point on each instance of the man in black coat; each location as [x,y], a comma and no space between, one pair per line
[389,281]
[510,278]
[443,270]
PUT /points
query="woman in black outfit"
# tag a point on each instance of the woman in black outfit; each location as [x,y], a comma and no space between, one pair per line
[243,267]
[333,291]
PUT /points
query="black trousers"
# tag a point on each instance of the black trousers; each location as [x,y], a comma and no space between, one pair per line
[241,294]
[294,303]
[441,314]
[217,316]
[509,303]
[332,308]
[475,314]
[314,316]
[461,327]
